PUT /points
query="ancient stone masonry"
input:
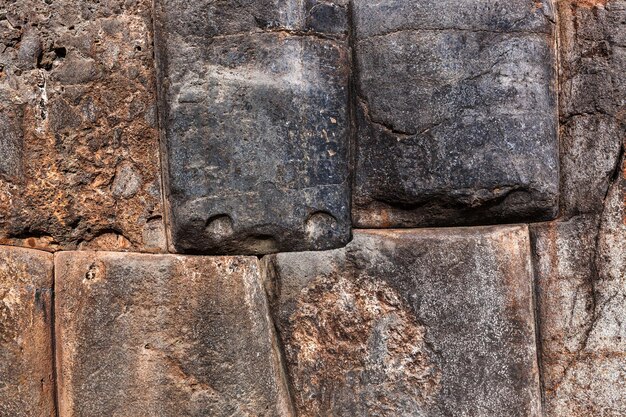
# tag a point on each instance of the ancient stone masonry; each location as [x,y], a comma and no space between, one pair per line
[456,112]
[254,105]
[79,165]
[312,208]
[581,258]
[164,335]
[411,323]
[26,374]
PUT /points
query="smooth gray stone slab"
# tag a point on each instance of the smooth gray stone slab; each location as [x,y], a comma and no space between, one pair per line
[255,128]
[456,113]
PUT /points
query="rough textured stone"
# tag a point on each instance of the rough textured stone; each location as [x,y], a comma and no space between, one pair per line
[26,376]
[581,278]
[79,142]
[435,322]
[164,335]
[592,100]
[456,113]
[580,259]
[255,122]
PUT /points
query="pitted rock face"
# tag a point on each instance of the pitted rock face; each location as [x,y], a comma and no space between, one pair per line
[456,113]
[357,340]
[255,116]
[26,376]
[79,144]
[410,323]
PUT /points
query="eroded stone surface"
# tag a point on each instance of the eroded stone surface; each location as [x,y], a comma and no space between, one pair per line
[456,113]
[410,323]
[79,143]
[581,277]
[164,335]
[579,260]
[26,376]
[255,120]
[592,100]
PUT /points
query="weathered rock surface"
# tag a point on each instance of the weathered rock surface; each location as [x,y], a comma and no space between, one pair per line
[580,260]
[254,103]
[26,376]
[164,335]
[456,113]
[79,143]
[592,100]
[581,278]
[431,322]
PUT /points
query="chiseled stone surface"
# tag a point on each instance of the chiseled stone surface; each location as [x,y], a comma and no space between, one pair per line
[430,322]
[255,117]
[456,112]
[79,143]
[164,335]
[26,376]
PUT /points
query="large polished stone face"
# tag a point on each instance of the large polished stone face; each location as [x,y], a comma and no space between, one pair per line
[456,113]
[255,122]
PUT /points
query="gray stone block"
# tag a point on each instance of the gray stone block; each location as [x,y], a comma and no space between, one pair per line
[456,113]
[255,128]
[431,322]
[164,335]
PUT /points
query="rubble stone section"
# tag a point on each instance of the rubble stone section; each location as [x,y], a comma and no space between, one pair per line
[79,141]
[26,360]
[456,113]
[164,335]
[254,116]
[430,322]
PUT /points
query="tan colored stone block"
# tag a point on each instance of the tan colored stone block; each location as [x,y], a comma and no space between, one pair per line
[164,335]
[26,376]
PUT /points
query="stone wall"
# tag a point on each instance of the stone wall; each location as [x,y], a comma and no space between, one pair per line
[312,208]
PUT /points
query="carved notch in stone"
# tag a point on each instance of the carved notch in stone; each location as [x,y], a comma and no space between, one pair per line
[254,110]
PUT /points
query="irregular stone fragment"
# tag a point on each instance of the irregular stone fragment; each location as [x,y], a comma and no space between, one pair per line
[26,376]
[456,113]
[79,142]
[255,119]
[164,335]
[593,87]
[581,277]
[435,322]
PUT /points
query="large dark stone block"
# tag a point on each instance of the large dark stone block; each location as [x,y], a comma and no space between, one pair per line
[429,322]
[164,335]
[456,113]
[255,128]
